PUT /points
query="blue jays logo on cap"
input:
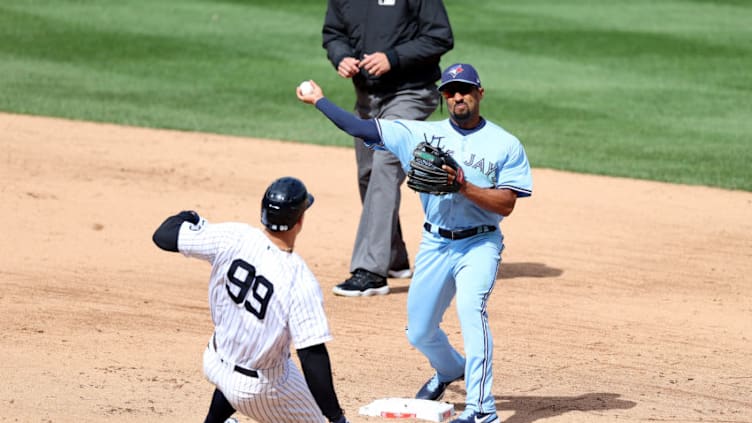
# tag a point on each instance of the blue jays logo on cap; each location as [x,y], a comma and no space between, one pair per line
[453,72]
[460,72]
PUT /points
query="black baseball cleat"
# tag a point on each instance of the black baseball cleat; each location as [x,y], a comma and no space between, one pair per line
[362,283]
[433,389]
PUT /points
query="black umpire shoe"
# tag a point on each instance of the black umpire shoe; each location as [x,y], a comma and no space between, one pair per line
[433,389]
[362,283]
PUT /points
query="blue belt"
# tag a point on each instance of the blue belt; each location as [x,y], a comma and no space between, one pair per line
[461,234]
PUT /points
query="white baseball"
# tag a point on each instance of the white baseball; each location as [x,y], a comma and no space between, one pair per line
[306,87]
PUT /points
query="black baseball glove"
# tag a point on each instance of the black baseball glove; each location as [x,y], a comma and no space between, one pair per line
[426,173]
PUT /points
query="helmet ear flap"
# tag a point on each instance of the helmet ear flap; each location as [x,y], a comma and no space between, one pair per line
[284,203]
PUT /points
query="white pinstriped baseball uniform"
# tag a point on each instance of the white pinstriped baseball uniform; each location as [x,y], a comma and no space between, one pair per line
[262,299]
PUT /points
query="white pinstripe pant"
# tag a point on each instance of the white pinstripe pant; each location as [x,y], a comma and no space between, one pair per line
[277,395]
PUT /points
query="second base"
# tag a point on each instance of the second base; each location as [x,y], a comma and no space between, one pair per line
[409,408]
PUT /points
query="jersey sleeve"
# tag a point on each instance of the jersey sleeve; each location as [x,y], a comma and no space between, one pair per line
[515,173]
[205,240]
[308,322]
[398,136]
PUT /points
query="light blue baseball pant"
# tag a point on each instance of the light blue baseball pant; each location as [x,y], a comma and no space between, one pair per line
[467,268]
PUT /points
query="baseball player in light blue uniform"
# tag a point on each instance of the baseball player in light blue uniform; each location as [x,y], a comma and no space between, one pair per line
[461,247]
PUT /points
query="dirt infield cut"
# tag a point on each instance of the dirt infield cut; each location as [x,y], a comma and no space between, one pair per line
[618,300]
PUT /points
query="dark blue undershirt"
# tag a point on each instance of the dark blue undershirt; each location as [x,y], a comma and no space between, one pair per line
[364,129]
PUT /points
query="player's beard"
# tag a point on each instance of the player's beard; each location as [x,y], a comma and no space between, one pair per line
[462,116]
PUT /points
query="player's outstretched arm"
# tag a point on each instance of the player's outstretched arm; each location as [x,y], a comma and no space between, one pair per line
[317,369]
[166,235]
[364,129]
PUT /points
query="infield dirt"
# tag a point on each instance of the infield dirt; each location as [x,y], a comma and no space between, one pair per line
[618,300]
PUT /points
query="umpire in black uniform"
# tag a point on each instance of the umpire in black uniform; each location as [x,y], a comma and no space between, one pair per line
[391,50]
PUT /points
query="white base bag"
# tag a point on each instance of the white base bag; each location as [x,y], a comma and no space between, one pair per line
[409,408]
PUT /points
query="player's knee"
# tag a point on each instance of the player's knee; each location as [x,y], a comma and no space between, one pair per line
[418,336]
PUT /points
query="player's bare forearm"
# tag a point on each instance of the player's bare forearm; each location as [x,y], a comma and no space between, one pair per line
[496,200]
[500,201]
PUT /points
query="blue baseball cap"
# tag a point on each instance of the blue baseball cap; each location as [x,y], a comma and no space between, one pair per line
[460,72]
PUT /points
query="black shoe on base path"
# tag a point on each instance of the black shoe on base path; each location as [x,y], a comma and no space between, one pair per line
[433,389]
[362,283]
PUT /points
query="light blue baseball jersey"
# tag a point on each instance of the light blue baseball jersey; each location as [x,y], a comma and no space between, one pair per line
[465,267]
[489,156]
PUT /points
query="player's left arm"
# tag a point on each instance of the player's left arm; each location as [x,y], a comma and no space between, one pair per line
[515,180]
[309,330]
[317,369]
[499,201]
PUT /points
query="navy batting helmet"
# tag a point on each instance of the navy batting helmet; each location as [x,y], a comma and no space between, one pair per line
[284,202]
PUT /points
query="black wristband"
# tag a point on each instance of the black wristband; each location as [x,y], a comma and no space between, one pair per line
[189,216]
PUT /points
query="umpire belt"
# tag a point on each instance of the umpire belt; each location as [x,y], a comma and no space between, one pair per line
[241,370]
[461,234]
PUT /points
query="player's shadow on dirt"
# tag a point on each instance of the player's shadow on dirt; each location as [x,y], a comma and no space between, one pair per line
[507,271]
[527,270]
[528,409]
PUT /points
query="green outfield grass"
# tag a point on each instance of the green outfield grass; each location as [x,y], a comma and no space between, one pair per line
[657,90]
